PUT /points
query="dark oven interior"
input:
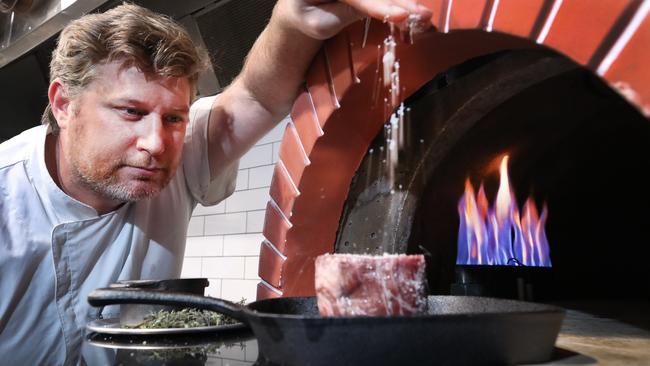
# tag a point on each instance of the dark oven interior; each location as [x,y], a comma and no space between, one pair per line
[573,143]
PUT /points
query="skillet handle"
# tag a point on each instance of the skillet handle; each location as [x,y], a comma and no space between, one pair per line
[111,296]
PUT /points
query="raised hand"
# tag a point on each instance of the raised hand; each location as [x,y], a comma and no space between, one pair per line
[322,19]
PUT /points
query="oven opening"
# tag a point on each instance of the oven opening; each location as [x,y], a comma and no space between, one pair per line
[518,176]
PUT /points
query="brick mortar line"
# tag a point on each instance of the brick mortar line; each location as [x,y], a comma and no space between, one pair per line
[225,256]
[232,212]
[225,213]
[268,143]
[250,189]
[239,233]
[256,166]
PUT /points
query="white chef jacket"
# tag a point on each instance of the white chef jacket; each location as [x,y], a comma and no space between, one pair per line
[54,249]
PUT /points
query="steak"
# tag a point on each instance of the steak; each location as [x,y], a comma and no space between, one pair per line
[349,285]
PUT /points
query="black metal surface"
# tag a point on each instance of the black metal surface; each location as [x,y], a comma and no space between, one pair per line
[189,285]
[229,30]
[23,96]
[457,330]
[133,314]
[509,282]
[168,341]
[110,296]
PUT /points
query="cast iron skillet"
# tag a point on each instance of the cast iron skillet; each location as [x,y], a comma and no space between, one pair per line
[457,330]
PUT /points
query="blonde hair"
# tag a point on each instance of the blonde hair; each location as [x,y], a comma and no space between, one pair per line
[152,42]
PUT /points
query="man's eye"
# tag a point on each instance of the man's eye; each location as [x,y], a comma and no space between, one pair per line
[174,119]
[132,111]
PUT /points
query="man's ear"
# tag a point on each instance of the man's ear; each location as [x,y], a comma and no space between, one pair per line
[60,103]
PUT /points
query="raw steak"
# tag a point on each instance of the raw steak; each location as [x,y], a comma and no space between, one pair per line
[348,284]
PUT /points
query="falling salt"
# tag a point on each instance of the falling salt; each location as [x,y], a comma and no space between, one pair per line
[389,59]
[394,130]
[400,116]
[414,25]
[377,82]
[353,69]
[394,84]
[366,28]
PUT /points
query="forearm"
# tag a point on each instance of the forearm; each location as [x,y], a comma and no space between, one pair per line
[276,66]
[264,91]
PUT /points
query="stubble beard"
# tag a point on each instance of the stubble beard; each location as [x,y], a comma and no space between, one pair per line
[105,180]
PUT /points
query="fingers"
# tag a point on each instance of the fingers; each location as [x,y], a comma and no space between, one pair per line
[391,10]
[329,20]
[344,12]
[413,7]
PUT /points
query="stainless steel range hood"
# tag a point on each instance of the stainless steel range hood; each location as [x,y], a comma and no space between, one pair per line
[22,31]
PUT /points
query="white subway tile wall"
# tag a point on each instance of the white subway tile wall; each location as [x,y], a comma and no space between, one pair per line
[223,241]
[255,221]
[228,223]
[258,155]
[276,152]
[260,176]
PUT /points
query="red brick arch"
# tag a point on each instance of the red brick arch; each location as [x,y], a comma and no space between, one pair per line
[340,111]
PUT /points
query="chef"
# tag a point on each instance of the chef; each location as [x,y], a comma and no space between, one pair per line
[104,189]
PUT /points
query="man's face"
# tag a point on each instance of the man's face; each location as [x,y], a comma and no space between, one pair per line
[124,138]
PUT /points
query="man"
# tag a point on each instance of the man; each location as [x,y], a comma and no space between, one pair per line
[104,191]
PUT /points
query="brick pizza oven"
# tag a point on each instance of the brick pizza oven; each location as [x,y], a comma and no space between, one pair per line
[487,64]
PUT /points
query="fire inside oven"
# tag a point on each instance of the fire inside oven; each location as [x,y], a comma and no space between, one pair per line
[519,176]
[499,234]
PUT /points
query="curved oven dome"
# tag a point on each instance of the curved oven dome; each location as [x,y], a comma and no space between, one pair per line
[336,118]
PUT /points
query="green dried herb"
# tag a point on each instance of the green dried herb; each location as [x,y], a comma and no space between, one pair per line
[186,318]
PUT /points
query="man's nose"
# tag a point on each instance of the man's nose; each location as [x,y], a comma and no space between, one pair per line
[152,137]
